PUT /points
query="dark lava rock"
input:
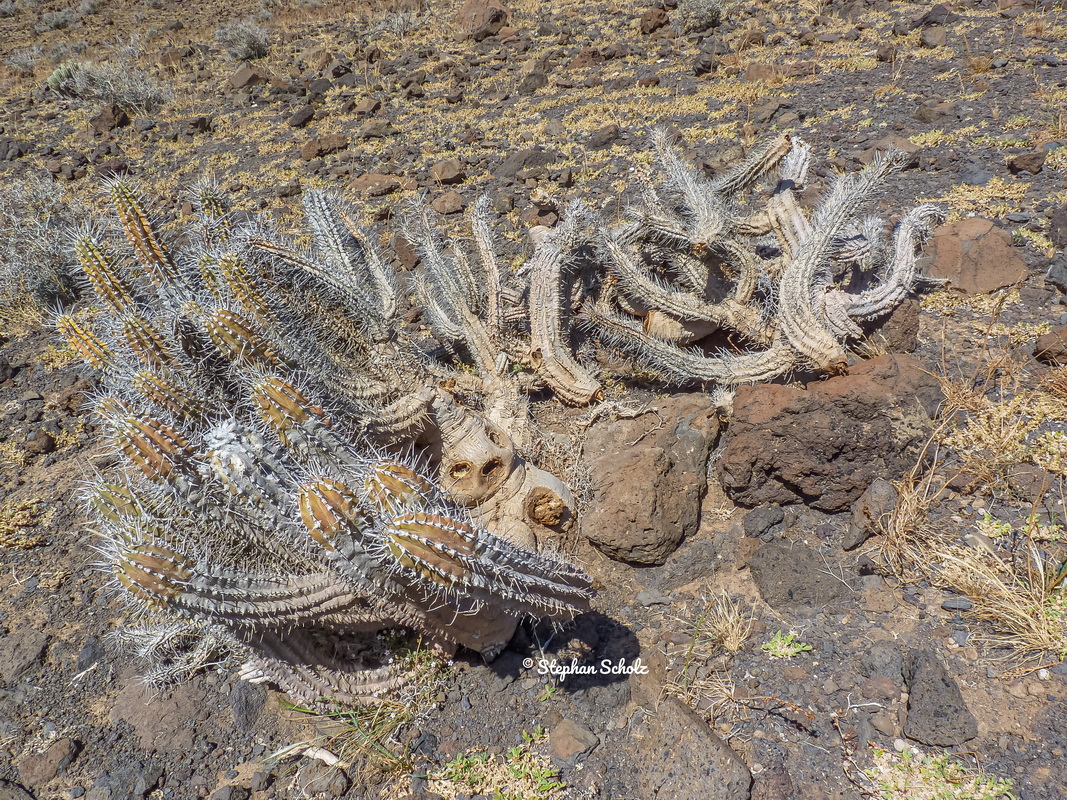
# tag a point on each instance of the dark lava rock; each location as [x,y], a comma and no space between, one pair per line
[532,81]
[682,758]
[91,652]
[760,521]
[938,15]
[1056,275]
[323,146]
[973,173]
[20,650]
[869,512]
[937,714]
[480,19]
[649,476]
[319,779]
[301,117]
[526,159]
[975,255]
[230,792]
[1030,162]
[109,118]
[1051,348]
[823,446]
[790,575]
[246,702]
[882,660]
[1057,230]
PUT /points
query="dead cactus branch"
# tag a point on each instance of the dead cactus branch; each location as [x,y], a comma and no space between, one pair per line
[692,261]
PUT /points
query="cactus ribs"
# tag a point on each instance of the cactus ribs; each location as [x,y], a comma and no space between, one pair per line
[245,520]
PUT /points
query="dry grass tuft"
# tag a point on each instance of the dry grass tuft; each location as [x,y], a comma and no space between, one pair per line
[15,518]
[717,629]
[1025,605]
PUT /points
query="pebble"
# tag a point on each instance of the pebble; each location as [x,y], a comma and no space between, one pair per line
[958,604]
[899,745]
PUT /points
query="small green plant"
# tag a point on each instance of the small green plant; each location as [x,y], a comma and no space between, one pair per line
[993,527]
[785,645]
[548,692]
[519,774]
[914,776]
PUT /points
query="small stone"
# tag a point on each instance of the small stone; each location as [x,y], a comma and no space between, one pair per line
[760,521]
[448,172]
[480,19]
[957,604]
[973,173]
[109,118]
[570,743]
[531,82]
[652,20]
[652,597]
[323,146]
[884,723]
[38,769]
[933,37]
[1051,347]
[40,443]
[247,75]
[301,117]
[368,105]
[603,137]
[1057,229]
[1027,162]
[376,129]
[375,184]
[448,203]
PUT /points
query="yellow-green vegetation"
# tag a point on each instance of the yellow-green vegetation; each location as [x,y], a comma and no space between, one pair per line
[16,517]
[57,356]
[996,198]
[785,645]
[915,776]
[519,773]
[949,303]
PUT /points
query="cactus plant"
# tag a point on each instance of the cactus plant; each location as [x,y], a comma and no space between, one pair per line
[259,521]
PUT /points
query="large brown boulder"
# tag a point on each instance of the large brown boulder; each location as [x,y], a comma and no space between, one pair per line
[649,476]
[974,255]
[824,445]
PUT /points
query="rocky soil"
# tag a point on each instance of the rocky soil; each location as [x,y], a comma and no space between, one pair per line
[824,513]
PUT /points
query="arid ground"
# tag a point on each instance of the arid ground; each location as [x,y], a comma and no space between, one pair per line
[833,587]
